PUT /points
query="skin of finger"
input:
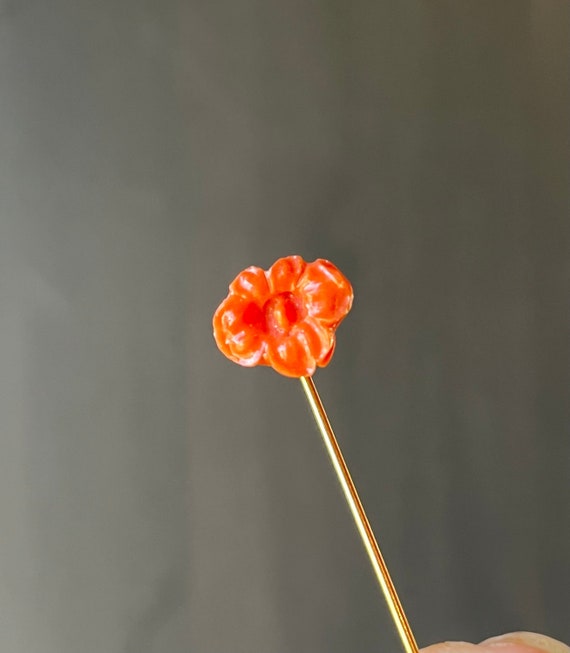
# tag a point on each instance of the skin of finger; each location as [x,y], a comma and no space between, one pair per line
[510,643]
[532,640]
[452,647]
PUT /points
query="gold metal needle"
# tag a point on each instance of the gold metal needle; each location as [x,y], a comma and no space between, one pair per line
[362,523]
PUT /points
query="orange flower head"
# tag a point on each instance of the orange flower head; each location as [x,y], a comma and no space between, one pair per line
[285,317]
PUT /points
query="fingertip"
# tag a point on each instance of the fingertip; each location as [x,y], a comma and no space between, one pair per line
[526,640]
[519,642]
[451,647]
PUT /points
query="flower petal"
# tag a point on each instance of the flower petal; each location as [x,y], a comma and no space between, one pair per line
[318,340]
[248,347]
[238,332]
[290,356]
[326,292]
[284,274]
[251,284]
[327,358]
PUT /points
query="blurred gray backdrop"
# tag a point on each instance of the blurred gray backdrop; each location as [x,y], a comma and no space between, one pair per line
[155,497]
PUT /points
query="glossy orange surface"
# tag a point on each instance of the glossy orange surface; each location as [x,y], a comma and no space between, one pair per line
[285,317]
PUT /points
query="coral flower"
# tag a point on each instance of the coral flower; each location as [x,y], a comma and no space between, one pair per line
[285,317]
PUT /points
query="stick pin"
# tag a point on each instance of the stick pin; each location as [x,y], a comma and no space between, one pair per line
[286,317]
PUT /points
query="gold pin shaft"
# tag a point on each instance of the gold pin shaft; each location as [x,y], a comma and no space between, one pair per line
[362,523]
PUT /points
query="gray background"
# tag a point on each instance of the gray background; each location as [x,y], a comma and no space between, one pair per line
[155,497]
